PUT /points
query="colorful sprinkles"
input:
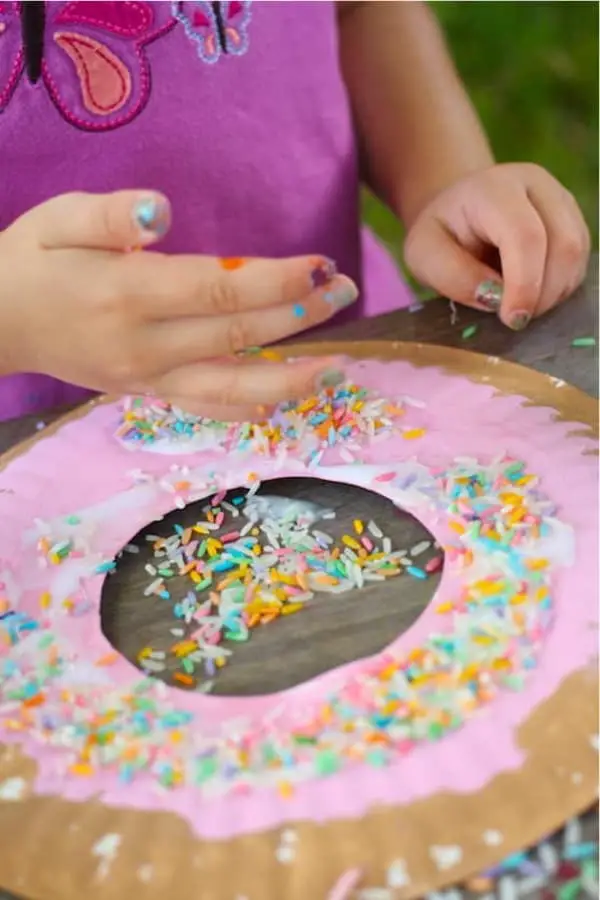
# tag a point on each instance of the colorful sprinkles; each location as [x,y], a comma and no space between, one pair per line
[488,639]
[250,575]
[343,415]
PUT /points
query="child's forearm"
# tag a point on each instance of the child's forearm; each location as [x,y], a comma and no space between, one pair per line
[417,127]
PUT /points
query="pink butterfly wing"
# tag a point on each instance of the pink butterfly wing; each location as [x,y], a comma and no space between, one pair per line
[200,24]
[95,65]
[236,16]
[12,58]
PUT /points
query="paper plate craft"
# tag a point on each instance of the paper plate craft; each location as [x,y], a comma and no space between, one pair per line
[472,735]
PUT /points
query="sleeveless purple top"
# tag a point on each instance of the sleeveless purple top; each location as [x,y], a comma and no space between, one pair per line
[236,111]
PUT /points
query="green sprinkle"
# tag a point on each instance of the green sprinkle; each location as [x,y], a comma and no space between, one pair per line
[468,332]
[569,891]
[327,763]
[583,342]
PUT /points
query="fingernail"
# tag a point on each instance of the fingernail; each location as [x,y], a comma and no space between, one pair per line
[342,295]
[489,295]
[519,320]
[323,272]
[329,378]
[153,214]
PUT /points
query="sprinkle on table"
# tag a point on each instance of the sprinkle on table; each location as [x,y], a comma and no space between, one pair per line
[584,342]
[469,332]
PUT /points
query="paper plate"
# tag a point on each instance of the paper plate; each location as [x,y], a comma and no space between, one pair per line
[502,783]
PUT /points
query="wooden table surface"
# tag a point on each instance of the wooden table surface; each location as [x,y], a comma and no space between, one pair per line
[339,628]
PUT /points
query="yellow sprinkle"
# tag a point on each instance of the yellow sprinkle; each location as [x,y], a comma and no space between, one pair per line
[199,529]
[358,526]
[81,769]
[145,652]
[413,433]
[536,564]
[541,594]
[291,608]
[220,661]
[517,599]
[350,542]
[285,789]
[457,526]
[444,607]
[45,600]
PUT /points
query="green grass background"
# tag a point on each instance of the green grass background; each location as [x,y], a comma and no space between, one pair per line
[531,69]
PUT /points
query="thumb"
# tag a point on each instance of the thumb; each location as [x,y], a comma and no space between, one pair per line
[436,259]
[120,221]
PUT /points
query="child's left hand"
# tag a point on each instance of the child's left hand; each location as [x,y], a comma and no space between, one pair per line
[515,219]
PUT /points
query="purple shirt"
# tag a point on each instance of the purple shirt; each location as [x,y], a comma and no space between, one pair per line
[239,116]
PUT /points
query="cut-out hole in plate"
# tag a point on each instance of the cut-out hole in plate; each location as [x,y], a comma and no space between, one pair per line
[329,630]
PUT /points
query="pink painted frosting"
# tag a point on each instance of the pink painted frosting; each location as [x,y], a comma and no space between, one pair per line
[84,468]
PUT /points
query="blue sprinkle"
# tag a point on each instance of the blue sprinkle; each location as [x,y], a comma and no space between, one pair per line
[416,572]
[299,311]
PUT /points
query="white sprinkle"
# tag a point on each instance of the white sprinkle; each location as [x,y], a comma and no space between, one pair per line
[106,849]
[533,883]
[289,836]
[548,857]
[285,854]
[374,531]
[446,857]
[595,741]
[508,888]
[145,872]
[397,875]
[572,833]
[420,548]
[576,777]
[12,789]
[492,838]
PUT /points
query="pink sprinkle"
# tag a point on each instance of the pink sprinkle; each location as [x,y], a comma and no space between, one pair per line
[344,886]
[219,518]
[367,544]
[231,536]
[217,498]
[387,476]
[434,564]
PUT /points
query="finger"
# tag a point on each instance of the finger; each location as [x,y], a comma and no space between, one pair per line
[568,244]
[508,220]
[185,341]
[235,414]
[166,287]
[119,221]
[250,386]
[439,261]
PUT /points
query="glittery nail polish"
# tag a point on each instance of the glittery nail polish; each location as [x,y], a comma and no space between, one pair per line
[329,378]
[323,272]
[489,295]
[519,320]
[153,215]
[342,295]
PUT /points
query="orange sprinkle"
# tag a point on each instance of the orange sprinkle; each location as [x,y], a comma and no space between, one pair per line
[182,678]
[108,660]
[36,700]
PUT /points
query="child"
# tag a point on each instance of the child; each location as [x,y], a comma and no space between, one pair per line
[232,135]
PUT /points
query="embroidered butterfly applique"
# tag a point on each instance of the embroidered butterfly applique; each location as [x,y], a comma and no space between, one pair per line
[94,64]
[217,29]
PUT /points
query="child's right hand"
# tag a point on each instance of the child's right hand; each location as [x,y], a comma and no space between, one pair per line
[75,305]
